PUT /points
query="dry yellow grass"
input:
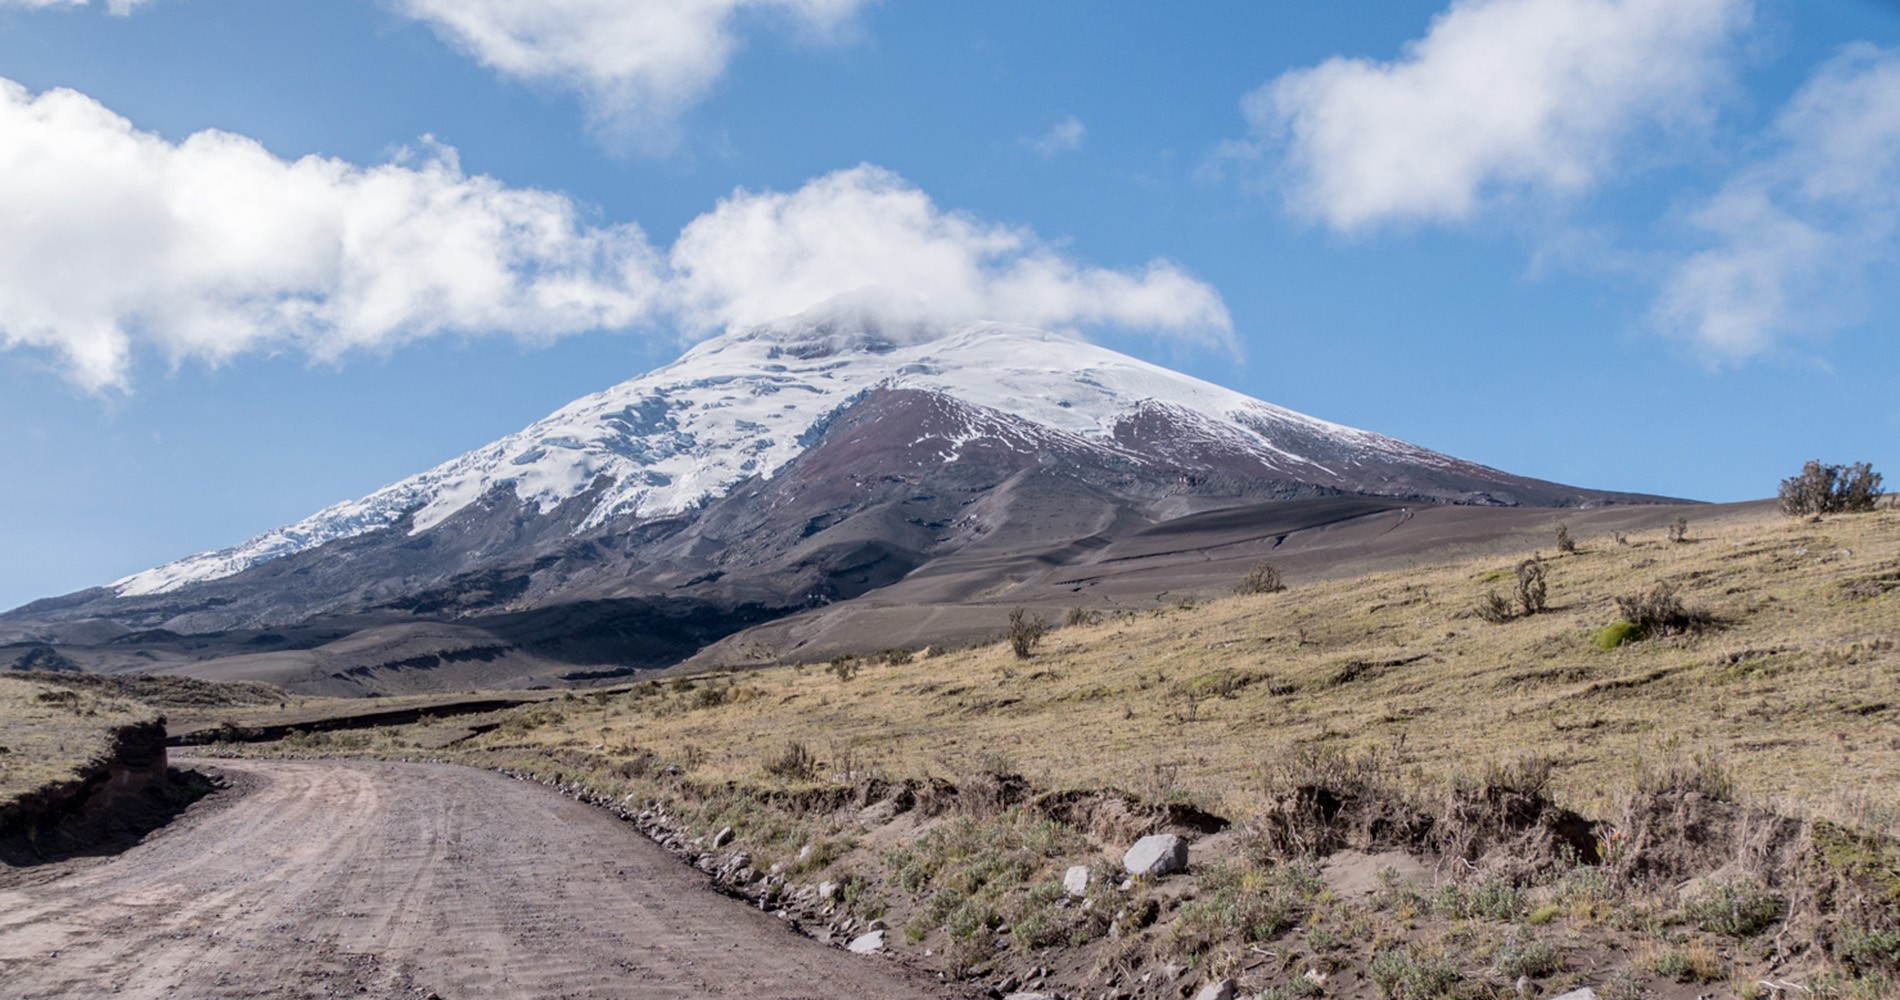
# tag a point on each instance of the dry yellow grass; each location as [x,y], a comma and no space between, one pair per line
[1798,690]
[51,733]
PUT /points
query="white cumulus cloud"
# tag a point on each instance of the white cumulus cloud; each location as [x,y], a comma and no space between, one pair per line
[1499,98]
[1795,233]
[212,246]
[762,255]
[119,241]
[1064,137]
[637,63]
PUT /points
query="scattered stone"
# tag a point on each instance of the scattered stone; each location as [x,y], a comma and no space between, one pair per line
[864,944]
[1174,970]
[1028,996]
[1222,990]
[805,853]
[1076,880]
[1580,993]
[826,890]
[1157,854]
[722,838]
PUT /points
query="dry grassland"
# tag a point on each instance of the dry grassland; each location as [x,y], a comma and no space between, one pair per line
[50,734]
[1387,757]
[1795,688]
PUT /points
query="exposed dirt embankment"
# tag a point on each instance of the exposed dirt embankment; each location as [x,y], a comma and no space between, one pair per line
[124,791]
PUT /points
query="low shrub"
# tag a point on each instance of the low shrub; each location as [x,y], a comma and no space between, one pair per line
[1866,950]
[1250,905]
[1025,633]
[1658,612]
[1264,578]
[1564,542]
[1679,529]
[1535,959]
[1531,588]
[1830,489]
[1694,962]
[1491,898]
[1495,609]
[1402,974]
[794,763]
[1738,909]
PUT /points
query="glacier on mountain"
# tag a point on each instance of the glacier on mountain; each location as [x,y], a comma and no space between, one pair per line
[750,401]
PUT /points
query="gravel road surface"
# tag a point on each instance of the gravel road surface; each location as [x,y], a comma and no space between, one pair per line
[331,878]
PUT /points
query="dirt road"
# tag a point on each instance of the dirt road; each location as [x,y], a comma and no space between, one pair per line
[319,878]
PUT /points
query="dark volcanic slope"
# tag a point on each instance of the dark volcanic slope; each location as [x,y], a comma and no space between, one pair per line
[501,594]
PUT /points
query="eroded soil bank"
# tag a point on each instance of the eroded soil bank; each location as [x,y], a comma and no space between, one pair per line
[123,792]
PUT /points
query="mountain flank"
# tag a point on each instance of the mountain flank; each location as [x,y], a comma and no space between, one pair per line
[830,460]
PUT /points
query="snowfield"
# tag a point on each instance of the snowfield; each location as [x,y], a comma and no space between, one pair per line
[748,402]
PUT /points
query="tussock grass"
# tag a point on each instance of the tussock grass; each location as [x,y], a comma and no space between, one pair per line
[1381,712]
[50,733]
[1797,690]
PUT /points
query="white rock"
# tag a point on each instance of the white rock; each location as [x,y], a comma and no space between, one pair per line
[722,838]
[864,944]
[826,890]
[1076,880]
[1222,990]
[1158,854]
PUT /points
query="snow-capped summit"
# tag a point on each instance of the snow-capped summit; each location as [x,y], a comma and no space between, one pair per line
[746,403]
[857,451]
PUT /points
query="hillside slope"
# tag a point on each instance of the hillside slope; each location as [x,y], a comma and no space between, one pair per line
[768,472]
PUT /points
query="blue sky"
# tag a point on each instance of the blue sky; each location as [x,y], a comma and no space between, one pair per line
[262,255]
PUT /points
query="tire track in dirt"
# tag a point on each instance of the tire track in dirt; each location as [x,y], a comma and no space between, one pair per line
[335,878]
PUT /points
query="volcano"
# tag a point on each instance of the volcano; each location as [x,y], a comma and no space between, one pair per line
[769,472]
